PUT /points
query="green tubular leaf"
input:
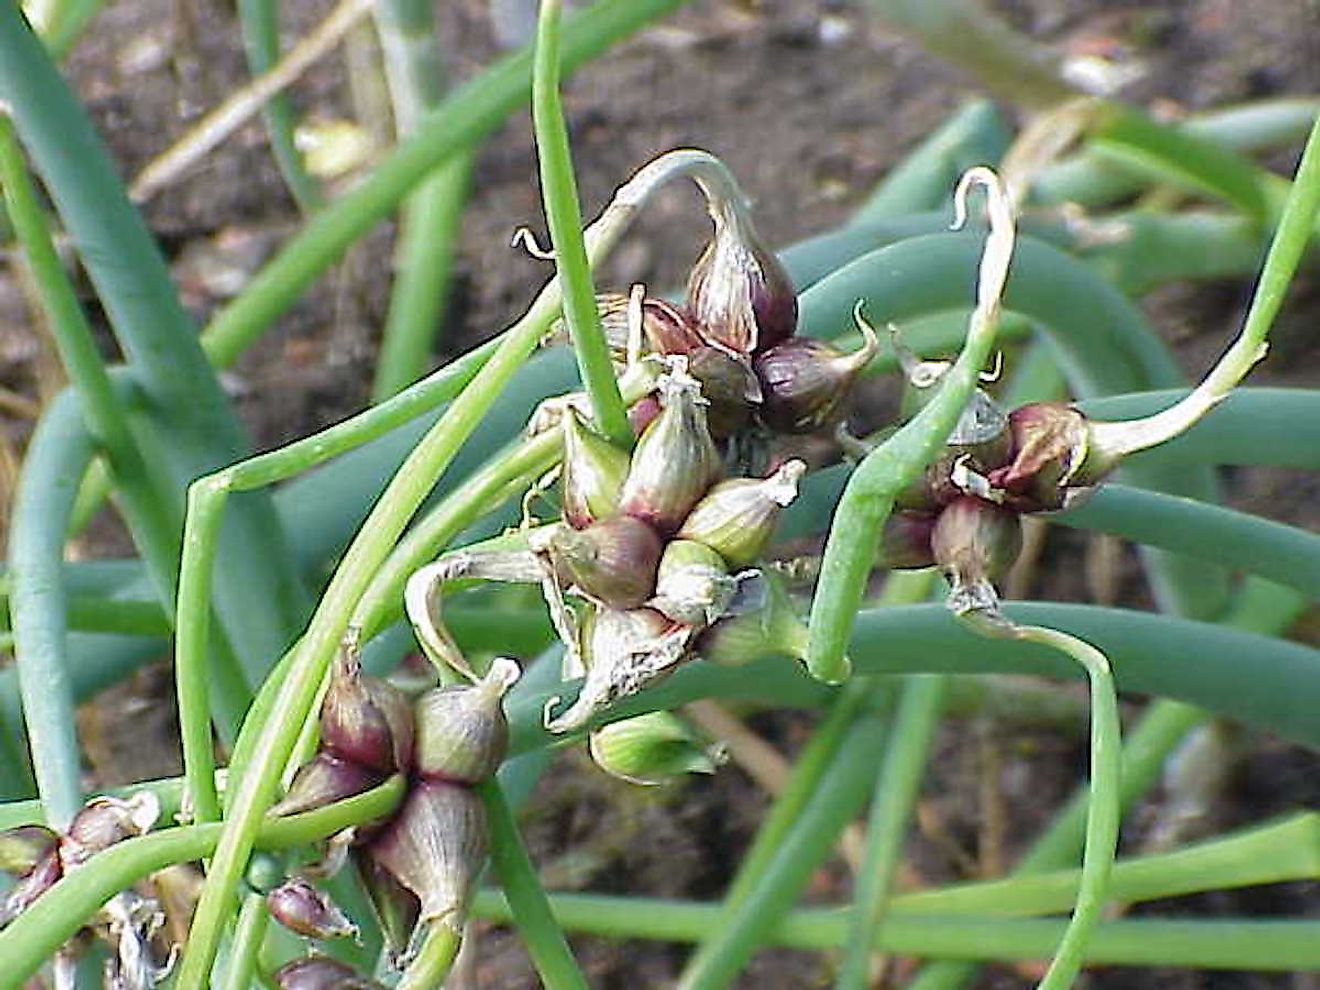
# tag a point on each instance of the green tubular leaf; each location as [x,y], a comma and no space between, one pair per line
[975,134]
[258,596]
[261,43]
[837,799]
[1230,943]
[1105,346]
[58,453]
[1197,662]
[470,113]
[1091,180]
[1182,159]
[1284,554]
[1277,427]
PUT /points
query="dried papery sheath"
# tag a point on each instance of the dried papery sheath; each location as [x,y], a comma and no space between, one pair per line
[766,626]
[625,651]
[613,561]
[462,734]
[737,517]
[729,385]
[436,847]
[652,749]
[104,821]
[133,922]
[323,780]
[307,910]
[905,540]
[643,413]
[738,292]
[666,329]
[594,470]
[694,585]
[975,542]
[23,847]
[321,973]
[365,720]
[806,383]
[675,460]
[1050,442]
[395,906]
[27,888]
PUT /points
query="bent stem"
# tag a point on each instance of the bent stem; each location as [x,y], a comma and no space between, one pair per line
[1110,442]
[1103,810]
[869,496]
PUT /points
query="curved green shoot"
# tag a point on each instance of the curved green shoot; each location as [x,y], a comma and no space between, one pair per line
[58,453]
[869,495]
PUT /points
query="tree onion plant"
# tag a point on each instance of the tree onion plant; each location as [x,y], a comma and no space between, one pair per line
[640,458]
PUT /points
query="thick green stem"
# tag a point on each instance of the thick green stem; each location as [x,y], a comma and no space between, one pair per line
[530,909]
[564,216]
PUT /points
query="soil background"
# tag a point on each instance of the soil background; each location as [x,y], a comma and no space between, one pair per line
[810,104]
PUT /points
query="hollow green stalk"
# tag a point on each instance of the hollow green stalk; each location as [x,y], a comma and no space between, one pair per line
[729,942]
[869,495]
[1103,809]
[58,453]
[430,222]
[907,750]
[54,917]
[245,949]
[1117,440]
[1229,943]
[530,909]
[564,217]
[1273,853]
[259,598]
[431,965]
[271,745]
[260,21]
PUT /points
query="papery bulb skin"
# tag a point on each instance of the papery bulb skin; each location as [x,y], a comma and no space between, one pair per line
[593,474]
[738,293]
[436,847]
[613,561]
[806,383]
[624,652]
[975,542]
[642,413]
[323,780]
[23,847]
[462,733]
[43,875]
[666,329]
[652,749]
[105,821]
[693,586]
[1050,443]
[321,973]
[675,461]
[737,517]
[307,910]
[365,720]
[729,385]
[905,541]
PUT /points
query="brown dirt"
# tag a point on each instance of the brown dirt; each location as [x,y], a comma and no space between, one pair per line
[809,103]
